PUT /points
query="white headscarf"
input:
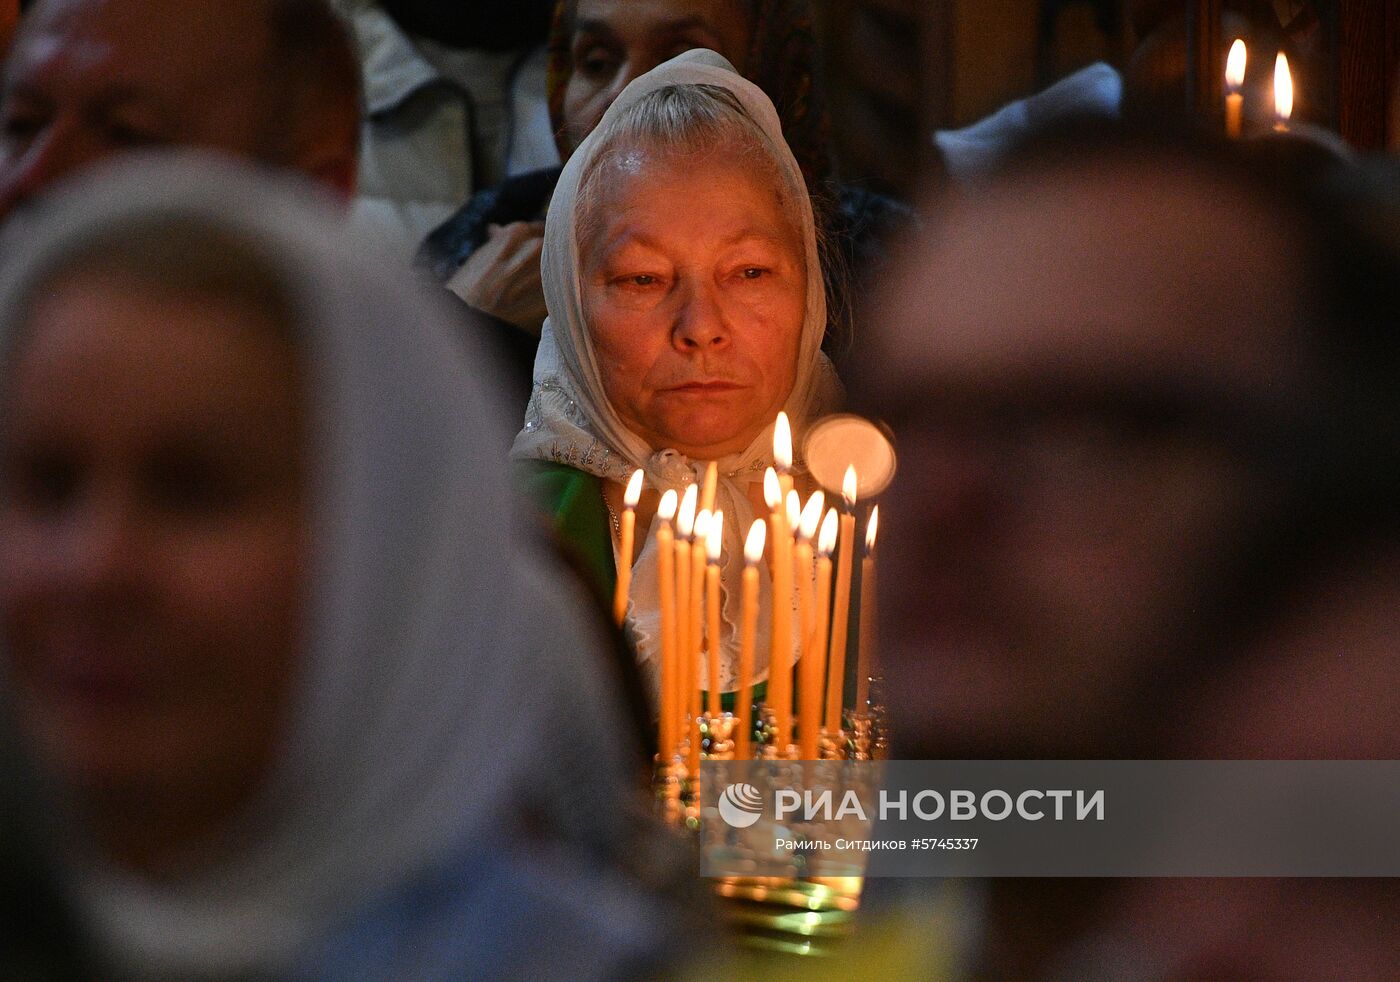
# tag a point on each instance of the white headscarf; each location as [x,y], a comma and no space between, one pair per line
[570,420]
[448,674]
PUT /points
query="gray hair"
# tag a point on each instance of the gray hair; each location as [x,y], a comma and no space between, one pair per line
[682,120]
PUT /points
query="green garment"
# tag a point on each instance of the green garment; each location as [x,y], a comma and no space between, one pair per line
[573,501]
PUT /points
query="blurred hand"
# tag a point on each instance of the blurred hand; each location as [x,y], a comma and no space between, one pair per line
[503,276]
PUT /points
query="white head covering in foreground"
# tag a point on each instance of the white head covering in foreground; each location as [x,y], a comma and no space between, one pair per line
[446,669]
[569,419]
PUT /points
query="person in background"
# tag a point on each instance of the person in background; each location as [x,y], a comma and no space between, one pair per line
[686,310]
[270,81]
[454,96]
[1119,442]
[488,252]
[308,701]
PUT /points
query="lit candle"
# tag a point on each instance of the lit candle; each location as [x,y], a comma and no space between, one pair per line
[626,531]
[707,496]
[782,451]
[1234,80]
[714,545]
[748,630]
[694,683]
[810,667]
[780,650]
[666,587]
[685,528]
[841,604]
[1283,93]
[826,545]
[865,662]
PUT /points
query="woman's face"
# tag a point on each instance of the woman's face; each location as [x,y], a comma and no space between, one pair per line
[152,540]
[694,287]
[615,41]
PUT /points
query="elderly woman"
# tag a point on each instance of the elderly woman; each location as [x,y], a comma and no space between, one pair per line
[488,253]
[302,695]
[686,310]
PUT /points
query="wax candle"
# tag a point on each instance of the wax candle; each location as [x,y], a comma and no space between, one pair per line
[748,630]
[685,528]
[841,603]
[865,660]
[694,683]
[826,545]
[1283,93]
[707,496]
[780,648]
[666,589]
[810,666]
[626,533]
[782,452]
[1234,99]
[714,648]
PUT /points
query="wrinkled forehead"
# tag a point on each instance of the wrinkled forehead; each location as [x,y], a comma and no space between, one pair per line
[1130,272]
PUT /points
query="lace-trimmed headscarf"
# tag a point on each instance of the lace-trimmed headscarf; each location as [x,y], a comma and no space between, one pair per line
[570,420]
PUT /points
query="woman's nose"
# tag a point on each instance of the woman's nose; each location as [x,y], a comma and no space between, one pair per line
[100,548]
[701,322]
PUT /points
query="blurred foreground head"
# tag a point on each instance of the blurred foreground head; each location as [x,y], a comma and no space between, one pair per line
[1135,388]
[271,81]
[267,622]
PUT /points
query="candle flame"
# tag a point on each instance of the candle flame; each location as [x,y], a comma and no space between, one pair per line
[685,518]
[826,543]
[753,545]
[702,524]
[794,510]
[871,527]
[667,508]
[848,487]
[1283,89]
[782,443]
[811,516]
[772,490]
[634,490]
[714,538]
[1235,63]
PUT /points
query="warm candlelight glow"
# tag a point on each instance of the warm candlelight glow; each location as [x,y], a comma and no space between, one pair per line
[685,518]
[826,542]
[782,443]
[772,491]
[1235,64]
[634,490]
[871,528]
[626,533]
[849,484]
[702,526]
[714,536]
[1283,90]
[794,510]
[811,516]
[753,546]
[667,509]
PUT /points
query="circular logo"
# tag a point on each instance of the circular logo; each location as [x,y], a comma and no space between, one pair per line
[740,805]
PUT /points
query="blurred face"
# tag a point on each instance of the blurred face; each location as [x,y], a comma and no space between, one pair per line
[152,541]
[615,41]
[694,287]
[1063,383]
[89,79]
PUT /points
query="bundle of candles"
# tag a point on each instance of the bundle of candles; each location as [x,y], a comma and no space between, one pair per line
[810,552]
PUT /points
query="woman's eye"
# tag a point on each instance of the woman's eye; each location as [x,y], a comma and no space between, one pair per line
[596,63]
[753,272]
[637,280]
